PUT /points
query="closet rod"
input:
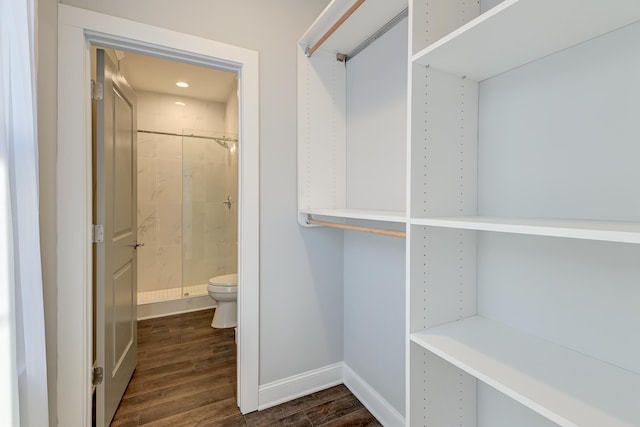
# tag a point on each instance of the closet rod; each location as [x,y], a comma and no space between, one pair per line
[334,27]
[383,231]
[375,36]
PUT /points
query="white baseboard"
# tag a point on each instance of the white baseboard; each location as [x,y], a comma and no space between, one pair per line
[372,400]
[290,388]
[179,306]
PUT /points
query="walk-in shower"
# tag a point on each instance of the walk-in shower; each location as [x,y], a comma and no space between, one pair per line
[187,212]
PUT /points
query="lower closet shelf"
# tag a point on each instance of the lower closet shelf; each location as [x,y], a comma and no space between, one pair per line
[364,214]
[565,386]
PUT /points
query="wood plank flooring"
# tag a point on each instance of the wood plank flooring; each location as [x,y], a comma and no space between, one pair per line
[186,376]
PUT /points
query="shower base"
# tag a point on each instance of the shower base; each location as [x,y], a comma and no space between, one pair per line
[160,295]
[167,302]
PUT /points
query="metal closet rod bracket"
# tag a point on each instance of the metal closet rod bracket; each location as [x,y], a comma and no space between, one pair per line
[350,227]
[340,57]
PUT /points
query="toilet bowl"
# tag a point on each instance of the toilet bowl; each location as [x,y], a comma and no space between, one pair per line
[224,289]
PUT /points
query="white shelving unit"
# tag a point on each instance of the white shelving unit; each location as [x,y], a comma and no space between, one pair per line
[520,115]
[523,215]
[326,153]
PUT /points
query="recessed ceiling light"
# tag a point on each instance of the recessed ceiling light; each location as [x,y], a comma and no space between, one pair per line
[182,104]
[182,84]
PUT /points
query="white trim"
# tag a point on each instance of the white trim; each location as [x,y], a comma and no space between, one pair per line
[372,400]
[290,388]
[178,306]
[77,30]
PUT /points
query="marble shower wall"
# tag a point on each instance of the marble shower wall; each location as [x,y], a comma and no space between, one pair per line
[208,244]
[179,183]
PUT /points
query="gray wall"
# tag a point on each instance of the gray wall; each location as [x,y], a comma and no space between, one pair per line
[374,266]
[374,346]
[301,311]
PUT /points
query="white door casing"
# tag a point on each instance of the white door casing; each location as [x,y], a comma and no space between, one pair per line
[115,199]
[78,29]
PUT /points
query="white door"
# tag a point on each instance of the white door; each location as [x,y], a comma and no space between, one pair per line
[115,209]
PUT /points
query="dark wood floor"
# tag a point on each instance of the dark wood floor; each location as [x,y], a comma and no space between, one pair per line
[186,376]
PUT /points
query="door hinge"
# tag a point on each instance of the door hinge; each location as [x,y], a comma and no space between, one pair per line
[97,90]
[97,233]
[97,375]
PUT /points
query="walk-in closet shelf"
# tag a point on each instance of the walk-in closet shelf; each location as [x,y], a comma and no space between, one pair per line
[623,232]
[479,49]
[364,22]
[364,214]
[543,376]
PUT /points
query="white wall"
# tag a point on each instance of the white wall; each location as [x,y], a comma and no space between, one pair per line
[374,346]
[377,123]
[374,266]
[301,270]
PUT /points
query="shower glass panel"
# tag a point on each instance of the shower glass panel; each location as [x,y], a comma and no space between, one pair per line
[209,208]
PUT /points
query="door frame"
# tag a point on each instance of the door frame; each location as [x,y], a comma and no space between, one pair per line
[78,29]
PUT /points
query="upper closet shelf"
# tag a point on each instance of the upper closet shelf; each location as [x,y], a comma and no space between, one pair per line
[567,387]
[624,232]
[364,214]
[365,21]
[516,32]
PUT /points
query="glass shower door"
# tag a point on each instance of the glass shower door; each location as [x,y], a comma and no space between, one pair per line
[209,209]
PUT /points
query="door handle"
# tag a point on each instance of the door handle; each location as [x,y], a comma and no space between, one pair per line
[136,244]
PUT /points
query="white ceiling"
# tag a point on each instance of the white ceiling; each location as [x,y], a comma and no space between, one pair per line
[153,74]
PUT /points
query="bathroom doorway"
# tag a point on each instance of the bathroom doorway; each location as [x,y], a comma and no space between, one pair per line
[78,30]
[184,217]
[187,180]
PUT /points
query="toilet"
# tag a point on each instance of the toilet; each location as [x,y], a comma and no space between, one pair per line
[224,289]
